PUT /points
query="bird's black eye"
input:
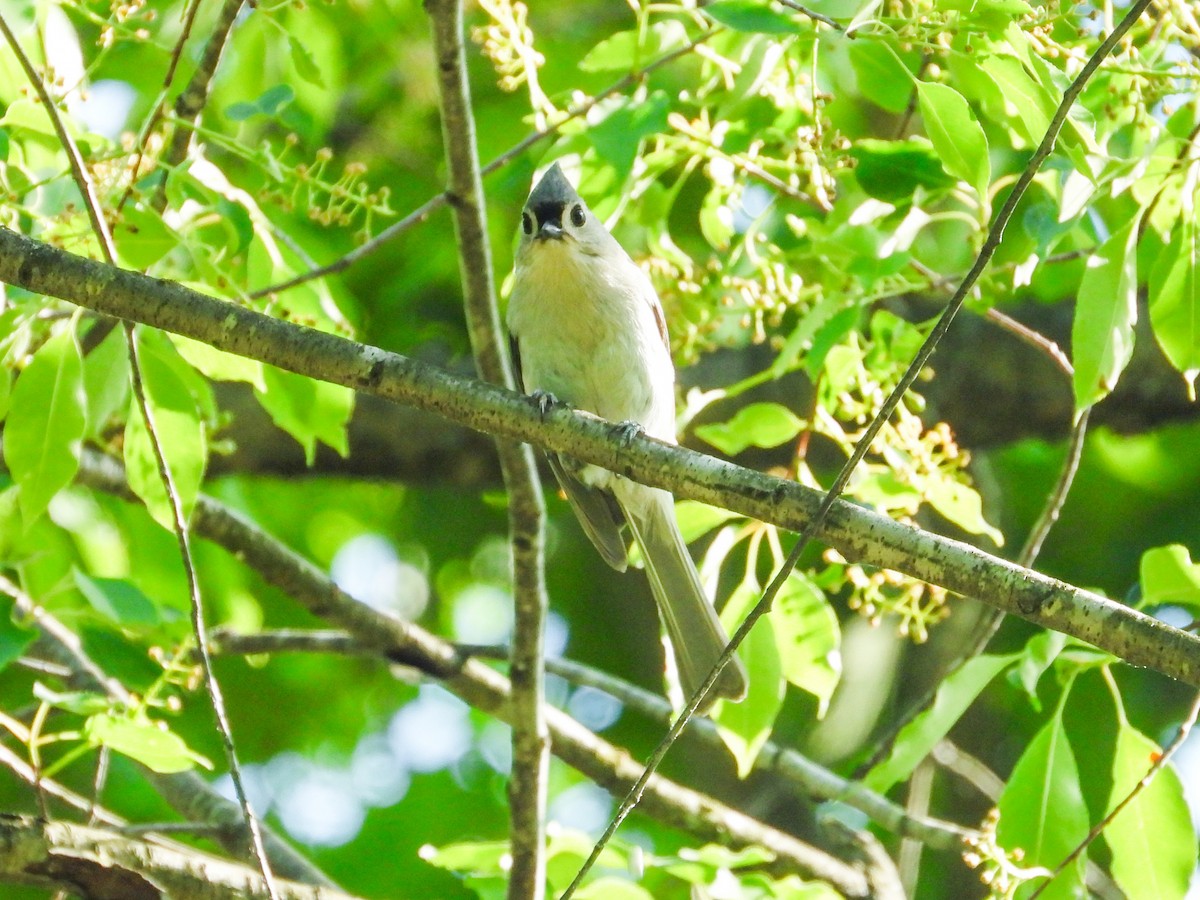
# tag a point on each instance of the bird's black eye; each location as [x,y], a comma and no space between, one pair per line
[577,218]
[527,223]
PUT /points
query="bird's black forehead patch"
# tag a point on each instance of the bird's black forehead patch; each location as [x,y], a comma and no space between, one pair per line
[549,211]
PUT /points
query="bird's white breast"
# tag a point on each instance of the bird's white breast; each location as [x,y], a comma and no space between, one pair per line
[587,333]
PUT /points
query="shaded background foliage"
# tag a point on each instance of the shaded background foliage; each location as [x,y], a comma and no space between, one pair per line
[325,118]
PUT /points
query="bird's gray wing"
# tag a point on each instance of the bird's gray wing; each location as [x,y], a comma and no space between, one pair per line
[596,509]
[597,512]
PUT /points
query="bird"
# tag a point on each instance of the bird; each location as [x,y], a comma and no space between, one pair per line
[586,329]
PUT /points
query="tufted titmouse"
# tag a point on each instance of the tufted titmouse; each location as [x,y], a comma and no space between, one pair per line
[587,329]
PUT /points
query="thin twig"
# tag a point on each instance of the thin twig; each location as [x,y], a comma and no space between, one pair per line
[971,769]
[26,773]
[433,204]
[199,628]
[103,235]
[995,235]
[814,15]
[1157,766]
[79,170]
[910,108]
[188,106]
[526,514]
[1033,338]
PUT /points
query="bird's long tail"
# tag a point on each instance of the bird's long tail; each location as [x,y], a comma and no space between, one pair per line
[692,625]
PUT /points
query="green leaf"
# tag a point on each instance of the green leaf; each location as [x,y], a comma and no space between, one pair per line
[753,16]
[617,888]
[476,857]
[1042,810]
[1169,577]
[13,638]
[142,238]
[744,727]
[893,170]
[180,432]
[957,135]
[885,490]
[621,50]
[716,219]
[619,135]
[83,703]
[565,852]
[1152,839]
[883,78]
[827,339]
[698,519]
[1027,105]
[219,365]
[238,225]
[804,334]
[808,638]
[106,380]
[960,504]
[991,14]
[240,111]
[269,103]
[916,739]
[24,114]
[1041,651]
[273,99]
[118,600]
[143,740]
[308,410]
[1174,291]
[757,425]
[1105,313]
[306,66]
[46,423]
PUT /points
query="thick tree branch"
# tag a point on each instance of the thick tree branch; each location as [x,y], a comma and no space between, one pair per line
[102,865]
[526,513]
[483,688]
[857,533]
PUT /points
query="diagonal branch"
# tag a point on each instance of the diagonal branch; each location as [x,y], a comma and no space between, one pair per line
[857,533]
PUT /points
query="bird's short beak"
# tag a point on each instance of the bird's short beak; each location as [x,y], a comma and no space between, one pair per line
[549,231]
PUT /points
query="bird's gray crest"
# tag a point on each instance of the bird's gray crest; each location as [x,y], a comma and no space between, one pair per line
[553,189]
